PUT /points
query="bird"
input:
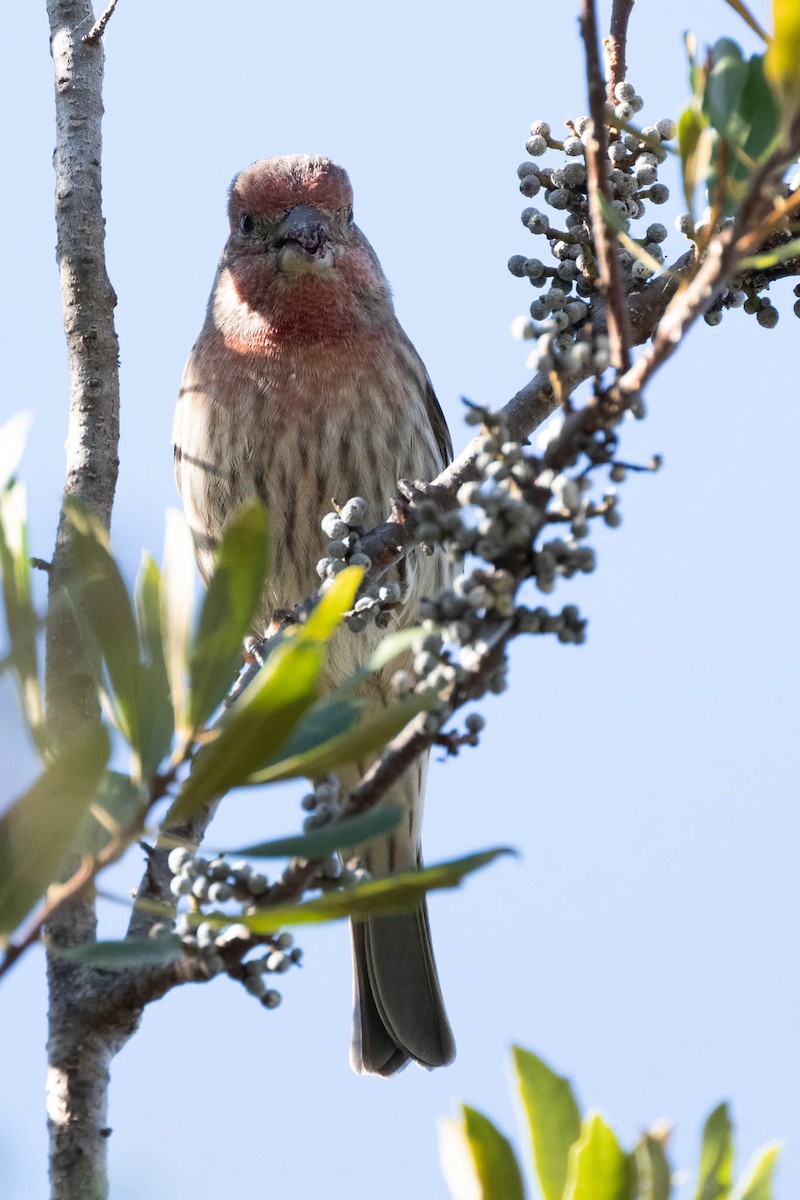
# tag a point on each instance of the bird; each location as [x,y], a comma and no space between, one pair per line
[302,387]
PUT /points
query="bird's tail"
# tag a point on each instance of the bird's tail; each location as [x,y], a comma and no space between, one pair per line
[398,1010]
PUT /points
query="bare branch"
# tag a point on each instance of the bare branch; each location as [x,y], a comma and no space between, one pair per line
[98,29]
[609,280]
[616,45]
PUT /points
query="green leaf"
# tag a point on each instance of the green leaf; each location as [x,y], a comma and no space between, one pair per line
[653,1172]
[716,1156]
[760,113]
[756,1183]
[177,608]
[13,438]
[553,1117]
[120,956]
[783,56]
[325,720]
[335,601]
[231,602]
[694,147]
[725,85]
[38,830]
[156,717]
[349,831]
[353,745]
[101,601]
[598,1168]
[477,1160]
[392,894]
[21,619]
[762,262]
[118,803]
[255,726]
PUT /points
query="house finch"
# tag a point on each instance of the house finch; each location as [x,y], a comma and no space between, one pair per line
[302,387]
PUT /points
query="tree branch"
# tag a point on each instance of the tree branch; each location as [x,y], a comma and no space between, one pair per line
[79,1055]
[616,45]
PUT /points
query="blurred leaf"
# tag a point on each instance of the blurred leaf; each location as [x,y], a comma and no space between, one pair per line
[716,1156]
[653,1174]
[355,744]
[554,1120]
[101,601]
[255,726]
[21,619]
[333,604]
[156,718]
[783,56]
[177,607]
[13,438]
[230,605]
[392,894]
[37,831]
[477,1160]
[694,147]
[598,1168]
[346,832]
[119,956]
[762,262]
[722,100]
[325,720]
[390,648]
[756,1183]
[744,12]
[118,803]
[759,112]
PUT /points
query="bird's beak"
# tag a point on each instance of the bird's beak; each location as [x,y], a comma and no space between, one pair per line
[302,239]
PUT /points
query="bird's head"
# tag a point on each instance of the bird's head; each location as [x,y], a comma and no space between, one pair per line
[294,257]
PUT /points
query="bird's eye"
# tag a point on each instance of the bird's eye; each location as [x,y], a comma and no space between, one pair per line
[246,223]
[350,216]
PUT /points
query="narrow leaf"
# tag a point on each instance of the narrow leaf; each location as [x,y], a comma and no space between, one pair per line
[101,601]
[354,745]
[653,1172]
[554,1120]
[231,601]
[177,606]
[756,1183]
[156,716]
[21,620]
[38,830]
[254,728]
[716,1156]
[694,147]
[13,438]
[477,1160]
[393,894]
[347,832]
[119,956]
[741,8]
[783,56]
[725,85]
[333,604]
[762,262]
[598,1168]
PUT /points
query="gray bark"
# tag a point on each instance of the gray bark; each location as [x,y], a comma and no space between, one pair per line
[79,1049]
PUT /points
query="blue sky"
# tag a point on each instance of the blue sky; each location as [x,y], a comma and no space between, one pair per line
[645,940]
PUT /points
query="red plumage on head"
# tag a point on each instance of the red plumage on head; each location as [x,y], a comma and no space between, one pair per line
[273,186]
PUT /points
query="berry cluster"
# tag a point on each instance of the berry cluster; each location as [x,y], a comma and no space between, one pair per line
[344,527]
[559,316]
[222,948]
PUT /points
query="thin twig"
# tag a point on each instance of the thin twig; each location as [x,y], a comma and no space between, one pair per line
[609,279]
[98,29]
[616,46]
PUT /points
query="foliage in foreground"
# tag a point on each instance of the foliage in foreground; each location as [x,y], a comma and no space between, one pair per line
[578,1157]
